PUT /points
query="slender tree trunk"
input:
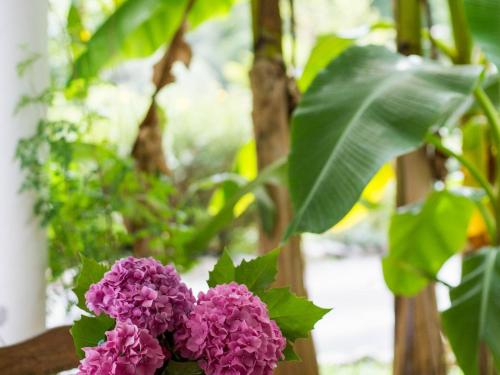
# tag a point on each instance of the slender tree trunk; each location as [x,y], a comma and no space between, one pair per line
[148,150]
[418,347]
[273,99]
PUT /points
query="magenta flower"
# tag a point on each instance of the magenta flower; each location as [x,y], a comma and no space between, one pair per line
[128,350]
[142,292]
[229,332]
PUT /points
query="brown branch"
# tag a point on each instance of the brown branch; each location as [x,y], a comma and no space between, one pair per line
[148,150]
[48,353]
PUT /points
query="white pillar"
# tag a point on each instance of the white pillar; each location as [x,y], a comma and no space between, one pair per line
[23,32]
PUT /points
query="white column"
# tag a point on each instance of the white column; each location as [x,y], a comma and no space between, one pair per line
[23,32]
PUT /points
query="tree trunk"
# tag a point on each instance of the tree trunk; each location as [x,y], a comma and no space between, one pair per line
[418,347]
[148,150]
[273,97]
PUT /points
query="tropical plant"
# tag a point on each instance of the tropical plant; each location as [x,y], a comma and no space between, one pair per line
[370,105]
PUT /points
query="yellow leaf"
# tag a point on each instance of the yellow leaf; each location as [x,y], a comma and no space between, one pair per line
[373,193]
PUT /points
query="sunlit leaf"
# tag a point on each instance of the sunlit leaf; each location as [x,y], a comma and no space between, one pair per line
[205,9]
[422,238]
[136,29]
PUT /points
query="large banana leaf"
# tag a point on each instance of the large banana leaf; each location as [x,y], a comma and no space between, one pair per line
[422,238]
[205,9]
[474,316]
[484,21]
[367,107]
[327,47]
[137,28]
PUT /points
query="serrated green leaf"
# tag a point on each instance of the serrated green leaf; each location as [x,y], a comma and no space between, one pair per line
[473,318]
[259,273]
[422,238]
[89,331]
[223,272]
[182,368]
[90,273]
[296,316]
[364,109]
[289,353]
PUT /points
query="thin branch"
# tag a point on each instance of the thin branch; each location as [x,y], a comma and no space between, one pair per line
[490,113]
[436,142]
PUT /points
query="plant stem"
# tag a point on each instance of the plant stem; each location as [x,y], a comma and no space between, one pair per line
[461,32]
[440,45]
[488,219]
[409,26]
[436,142]
[494,121]
[490,112]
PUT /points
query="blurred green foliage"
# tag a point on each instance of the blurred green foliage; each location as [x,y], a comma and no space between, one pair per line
[86,192]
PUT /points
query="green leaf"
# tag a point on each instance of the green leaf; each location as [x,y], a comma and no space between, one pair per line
[422,238]
[155,32]
[75,27]
[136,29]
[484,21]
[296,316]
[266,209]
[207,230]
[327,47]
[205,9]
[474,316]
[89,331]
[91,273]
[183,368]
[289,353]
[223,272]
[259,273]
[367,107]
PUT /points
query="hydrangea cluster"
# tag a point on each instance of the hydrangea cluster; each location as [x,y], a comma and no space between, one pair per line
[229,332]
[142,292]
[128,350]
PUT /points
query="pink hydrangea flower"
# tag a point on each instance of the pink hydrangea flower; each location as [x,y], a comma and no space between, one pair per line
[229,332]
[128,350]
[143,292]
